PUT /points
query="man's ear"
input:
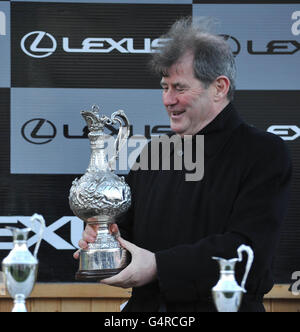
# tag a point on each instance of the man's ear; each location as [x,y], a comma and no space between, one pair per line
[222,85]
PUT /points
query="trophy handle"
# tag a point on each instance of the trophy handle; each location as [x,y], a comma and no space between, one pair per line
[250,254]
[41,220]
[123,133]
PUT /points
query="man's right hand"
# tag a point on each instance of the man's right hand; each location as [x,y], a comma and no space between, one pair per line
[90,234]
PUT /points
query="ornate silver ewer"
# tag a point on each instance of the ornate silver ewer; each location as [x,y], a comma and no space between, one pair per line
[99,197]
[20,266]
[227,294]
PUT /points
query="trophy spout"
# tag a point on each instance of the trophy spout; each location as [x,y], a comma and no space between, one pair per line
[226,265]
[18,234]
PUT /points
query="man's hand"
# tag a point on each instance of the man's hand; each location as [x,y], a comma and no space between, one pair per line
[142,269]
[89,236]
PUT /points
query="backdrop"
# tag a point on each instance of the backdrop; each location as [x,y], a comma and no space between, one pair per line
[60,57]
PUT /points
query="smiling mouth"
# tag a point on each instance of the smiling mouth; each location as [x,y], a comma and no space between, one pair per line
[176,114]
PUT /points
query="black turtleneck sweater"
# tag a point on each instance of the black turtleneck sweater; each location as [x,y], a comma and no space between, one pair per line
[241,199]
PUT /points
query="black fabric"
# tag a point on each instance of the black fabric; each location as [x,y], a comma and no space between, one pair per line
[242,199]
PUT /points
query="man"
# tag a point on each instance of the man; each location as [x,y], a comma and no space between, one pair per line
[175,226]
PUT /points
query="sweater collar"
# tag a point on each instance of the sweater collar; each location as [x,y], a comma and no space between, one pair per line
[219,130]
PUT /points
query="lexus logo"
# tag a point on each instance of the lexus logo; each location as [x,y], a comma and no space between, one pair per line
[40,44]
[32,44]
[38,131]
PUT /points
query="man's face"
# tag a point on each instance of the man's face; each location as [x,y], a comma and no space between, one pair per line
[187,102]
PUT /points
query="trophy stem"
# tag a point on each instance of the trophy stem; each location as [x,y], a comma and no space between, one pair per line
[19,304]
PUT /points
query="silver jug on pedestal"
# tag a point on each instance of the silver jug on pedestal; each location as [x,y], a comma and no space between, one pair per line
[227,294]
[20,266]
[99,197]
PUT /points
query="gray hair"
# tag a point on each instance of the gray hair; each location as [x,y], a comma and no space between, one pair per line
[213,56]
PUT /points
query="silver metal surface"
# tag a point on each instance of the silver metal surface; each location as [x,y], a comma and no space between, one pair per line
[20,266]
[227,294]
[100,196]
[104,253]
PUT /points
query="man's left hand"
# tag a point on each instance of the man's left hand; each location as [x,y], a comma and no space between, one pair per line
[142,269]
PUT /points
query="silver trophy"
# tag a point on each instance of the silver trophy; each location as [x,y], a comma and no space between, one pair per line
[227,294]
[20,266]
[99,197]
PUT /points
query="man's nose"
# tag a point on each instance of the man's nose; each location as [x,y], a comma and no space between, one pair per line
[169,98]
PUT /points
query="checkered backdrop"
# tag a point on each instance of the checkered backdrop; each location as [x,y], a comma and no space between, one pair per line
[59,57]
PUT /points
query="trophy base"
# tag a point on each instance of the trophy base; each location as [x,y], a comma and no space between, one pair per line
[102,259]
[96,275]
[95,265]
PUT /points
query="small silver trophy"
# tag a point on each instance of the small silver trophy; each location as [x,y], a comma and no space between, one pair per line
[20,266]
[227,294]
[99,197]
